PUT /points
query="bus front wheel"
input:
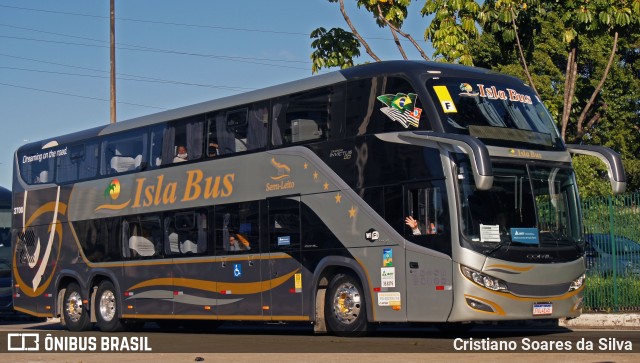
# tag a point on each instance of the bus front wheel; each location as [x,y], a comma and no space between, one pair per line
[76,316]
[345,310]
[106,308]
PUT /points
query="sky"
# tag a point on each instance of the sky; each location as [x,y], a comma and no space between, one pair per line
[54,57]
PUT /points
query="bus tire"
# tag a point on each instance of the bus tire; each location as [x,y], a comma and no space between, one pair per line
[345,307]
[106,308]
[76,315]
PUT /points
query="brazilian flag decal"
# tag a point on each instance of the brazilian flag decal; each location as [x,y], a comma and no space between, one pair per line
[401,108]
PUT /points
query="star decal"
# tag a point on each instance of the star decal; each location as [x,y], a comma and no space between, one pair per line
[326,186]
[315,175]
[352,212]
[338,198]
[306,165]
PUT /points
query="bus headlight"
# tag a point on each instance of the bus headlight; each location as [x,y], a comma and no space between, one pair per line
[577,283]
[483,280]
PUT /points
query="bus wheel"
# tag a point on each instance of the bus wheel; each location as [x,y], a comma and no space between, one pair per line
[345,310]
[76,316]
[107,308]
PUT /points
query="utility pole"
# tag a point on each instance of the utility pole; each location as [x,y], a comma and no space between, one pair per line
[113,64]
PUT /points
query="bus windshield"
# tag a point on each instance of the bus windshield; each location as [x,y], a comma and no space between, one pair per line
[529,206]
[497,113]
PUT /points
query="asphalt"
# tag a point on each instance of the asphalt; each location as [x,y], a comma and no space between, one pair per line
[603,321]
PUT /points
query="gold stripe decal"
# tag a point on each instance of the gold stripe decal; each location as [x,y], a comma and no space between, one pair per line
[113,206]
[509,267]
[238,288]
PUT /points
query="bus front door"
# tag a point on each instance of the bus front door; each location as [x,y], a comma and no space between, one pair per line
[284,267]
[429,265]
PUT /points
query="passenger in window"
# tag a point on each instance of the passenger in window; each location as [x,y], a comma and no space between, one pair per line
[181,154]
[415,228]
[213,149]
[237,242]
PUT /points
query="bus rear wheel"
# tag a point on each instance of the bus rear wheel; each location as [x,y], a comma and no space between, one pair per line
[345,308]
[76,316]
[106,308]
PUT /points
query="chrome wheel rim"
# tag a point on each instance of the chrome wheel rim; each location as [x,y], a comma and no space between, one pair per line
[346,303]
[107,305]
[74,306]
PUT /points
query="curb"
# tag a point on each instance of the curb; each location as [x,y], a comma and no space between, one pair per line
[603,321]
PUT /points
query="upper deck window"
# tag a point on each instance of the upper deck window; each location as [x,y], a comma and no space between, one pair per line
[80,162]
[37,166]
[238,129]
[124,152]
[500,114]
[308,116]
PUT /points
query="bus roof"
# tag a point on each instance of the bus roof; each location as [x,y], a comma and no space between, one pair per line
[411,68]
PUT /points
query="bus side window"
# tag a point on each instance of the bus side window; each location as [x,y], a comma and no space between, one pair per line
[186,233]
[189,133]
[124,152]
[425,207]
[35,169]
[305,116]
[237,228]
[142,238]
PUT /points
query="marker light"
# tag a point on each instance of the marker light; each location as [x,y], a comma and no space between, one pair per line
[483,280]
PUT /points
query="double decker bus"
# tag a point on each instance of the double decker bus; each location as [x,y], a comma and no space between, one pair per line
[402,191]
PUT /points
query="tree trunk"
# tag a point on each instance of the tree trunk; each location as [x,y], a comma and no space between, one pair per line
[581,131]
[355,32]
[521,53]
[393,32]
[569,89]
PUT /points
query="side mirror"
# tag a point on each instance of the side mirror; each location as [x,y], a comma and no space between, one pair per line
[611,159]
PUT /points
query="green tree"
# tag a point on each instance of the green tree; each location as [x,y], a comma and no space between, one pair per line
[580,56]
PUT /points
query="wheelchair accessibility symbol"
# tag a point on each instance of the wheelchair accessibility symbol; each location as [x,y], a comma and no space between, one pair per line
[237,270]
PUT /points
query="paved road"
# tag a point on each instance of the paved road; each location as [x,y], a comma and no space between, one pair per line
[232,343]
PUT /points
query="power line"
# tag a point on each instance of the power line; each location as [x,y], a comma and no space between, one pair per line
[136,77]
[180,24]
[126,79]
[144,47]
[79,96]
[156,50]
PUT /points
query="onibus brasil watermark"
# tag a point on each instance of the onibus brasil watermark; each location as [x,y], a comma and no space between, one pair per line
[32,342]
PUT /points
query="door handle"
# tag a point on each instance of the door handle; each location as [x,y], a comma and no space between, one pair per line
[413,265]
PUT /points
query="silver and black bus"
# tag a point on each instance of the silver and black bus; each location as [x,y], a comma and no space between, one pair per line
[402,191]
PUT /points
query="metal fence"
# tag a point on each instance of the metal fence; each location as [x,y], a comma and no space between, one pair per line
[612,235]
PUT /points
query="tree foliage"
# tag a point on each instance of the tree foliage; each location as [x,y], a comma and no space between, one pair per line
[333,48]
[581,56]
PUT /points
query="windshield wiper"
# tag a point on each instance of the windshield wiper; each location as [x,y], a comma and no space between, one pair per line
[506,242]
[555,237]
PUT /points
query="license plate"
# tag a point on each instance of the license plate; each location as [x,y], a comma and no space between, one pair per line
[542,309]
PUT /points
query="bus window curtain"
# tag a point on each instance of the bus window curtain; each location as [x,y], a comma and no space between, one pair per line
[202,232]
[195,130]
[257,132]
[226,139]
[277,125]
[89,165]
[125,239]
[168,147]
[67,169]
